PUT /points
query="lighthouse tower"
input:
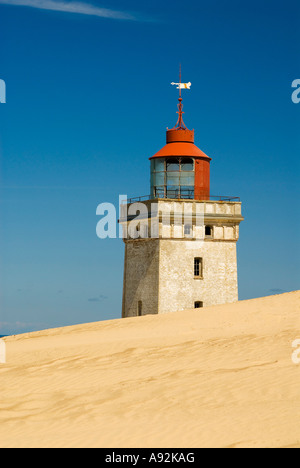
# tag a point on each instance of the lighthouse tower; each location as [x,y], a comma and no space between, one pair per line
[180,242]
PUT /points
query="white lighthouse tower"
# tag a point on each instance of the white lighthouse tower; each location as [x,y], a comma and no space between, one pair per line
[180,251]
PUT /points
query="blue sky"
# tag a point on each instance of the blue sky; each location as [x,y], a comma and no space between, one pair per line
[88,102]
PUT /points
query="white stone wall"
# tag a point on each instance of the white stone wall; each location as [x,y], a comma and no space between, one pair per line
[141,276]
[160,272]
[179,290]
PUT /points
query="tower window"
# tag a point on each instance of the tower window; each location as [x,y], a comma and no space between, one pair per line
[198,267]
[140,308]
[143,231]
[187,229]
[198,304]
[208,231]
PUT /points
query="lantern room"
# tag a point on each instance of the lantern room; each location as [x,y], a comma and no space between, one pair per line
[180,169]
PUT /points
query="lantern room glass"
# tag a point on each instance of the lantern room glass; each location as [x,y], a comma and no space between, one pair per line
[172,178]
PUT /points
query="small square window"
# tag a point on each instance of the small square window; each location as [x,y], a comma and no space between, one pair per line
[187,229]
[208,231]
[198,304]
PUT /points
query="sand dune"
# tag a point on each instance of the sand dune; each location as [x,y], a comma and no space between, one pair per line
[214,377]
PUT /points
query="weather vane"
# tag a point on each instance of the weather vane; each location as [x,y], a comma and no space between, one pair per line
[180,86]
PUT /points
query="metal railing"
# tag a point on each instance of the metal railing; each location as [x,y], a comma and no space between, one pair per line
[172,195]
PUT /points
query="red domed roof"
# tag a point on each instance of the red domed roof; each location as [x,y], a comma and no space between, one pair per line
[180,142]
